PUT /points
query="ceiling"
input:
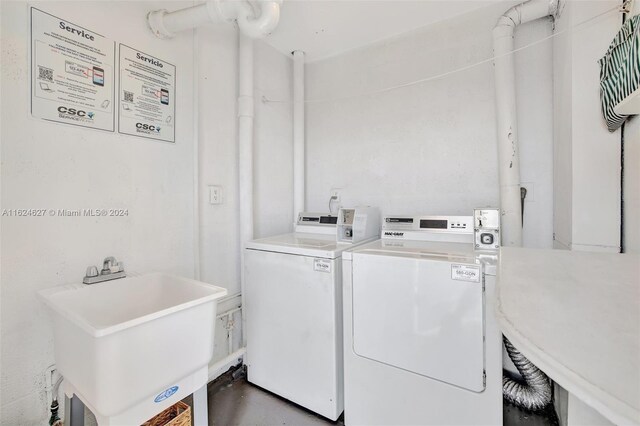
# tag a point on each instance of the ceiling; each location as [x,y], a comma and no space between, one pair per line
[323,28]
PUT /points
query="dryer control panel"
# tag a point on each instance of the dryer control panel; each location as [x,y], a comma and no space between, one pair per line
[428,228]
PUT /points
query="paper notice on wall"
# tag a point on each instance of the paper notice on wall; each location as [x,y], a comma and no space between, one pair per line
[72,73]
[147,96]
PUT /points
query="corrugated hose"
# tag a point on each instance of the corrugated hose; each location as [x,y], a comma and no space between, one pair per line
[534,392]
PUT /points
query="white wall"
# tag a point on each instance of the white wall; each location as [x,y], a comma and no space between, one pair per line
[429,148]
[632,179]
[48,165]
[273,143]
[632,186]
[587,160]
[219,152]
[218,164]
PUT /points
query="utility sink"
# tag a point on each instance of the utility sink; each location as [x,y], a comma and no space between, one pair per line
[131,347]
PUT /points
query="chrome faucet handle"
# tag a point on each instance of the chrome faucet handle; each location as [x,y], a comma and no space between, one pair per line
[92,271]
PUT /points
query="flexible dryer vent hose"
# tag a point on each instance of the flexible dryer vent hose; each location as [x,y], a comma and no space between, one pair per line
[535,393]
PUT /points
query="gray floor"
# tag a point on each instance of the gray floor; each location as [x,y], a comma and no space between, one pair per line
[240,403]
[235,402]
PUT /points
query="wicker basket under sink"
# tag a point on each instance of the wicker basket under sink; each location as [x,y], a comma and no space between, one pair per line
[179,414]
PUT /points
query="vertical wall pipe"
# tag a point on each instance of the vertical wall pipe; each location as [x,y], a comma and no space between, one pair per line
[197,226]
[245,149]
[535,392]
[507,126]
[298,134]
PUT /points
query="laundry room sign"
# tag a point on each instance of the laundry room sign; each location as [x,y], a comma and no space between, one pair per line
[147,96]
[72,73]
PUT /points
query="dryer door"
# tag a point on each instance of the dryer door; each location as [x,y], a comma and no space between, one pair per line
[421,313]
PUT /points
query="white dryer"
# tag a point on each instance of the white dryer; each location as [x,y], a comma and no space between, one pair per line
[420,340]
[293,309]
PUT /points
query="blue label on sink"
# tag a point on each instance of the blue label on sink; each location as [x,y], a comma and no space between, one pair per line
[166,394]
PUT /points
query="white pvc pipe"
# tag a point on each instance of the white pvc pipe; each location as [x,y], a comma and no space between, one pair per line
[188,18]
[166,24]
[298,134]
[197,158]
[507,128]
[263,25]
[245,151]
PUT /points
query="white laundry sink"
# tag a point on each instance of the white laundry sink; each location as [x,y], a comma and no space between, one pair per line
[131,347]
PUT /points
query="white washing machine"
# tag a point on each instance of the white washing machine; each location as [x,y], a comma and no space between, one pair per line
[293,308]
[421,346]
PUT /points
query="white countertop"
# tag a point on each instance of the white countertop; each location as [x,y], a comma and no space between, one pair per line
[576,315]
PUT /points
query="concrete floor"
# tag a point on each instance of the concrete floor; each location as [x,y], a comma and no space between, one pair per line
[235,402]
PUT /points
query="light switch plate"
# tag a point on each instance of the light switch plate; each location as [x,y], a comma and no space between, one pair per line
[215,194]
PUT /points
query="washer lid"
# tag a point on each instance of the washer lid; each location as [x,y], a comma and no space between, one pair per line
[303,244]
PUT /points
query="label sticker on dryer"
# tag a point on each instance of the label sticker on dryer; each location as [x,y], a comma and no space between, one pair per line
[465,273]
[321,265]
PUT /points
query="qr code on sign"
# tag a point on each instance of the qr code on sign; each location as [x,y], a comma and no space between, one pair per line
[128,96]
[45,74]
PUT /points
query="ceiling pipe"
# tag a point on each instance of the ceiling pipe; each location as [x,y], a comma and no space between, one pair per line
[507,127]
[298,134]
[166,24]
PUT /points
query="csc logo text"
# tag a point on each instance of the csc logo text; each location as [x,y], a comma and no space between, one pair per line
[71,111]
[147,127]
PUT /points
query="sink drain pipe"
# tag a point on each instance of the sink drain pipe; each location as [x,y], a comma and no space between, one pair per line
[55,420]
[534,391]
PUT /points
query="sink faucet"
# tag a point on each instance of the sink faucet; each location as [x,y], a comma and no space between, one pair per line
[111,270]
[107,264]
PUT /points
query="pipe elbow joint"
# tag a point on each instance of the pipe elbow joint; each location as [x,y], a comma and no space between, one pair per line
[155,22]
[263,25]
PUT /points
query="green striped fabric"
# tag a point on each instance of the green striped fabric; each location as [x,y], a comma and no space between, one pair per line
[620,71]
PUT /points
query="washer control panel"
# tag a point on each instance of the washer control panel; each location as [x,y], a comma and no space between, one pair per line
[316,223]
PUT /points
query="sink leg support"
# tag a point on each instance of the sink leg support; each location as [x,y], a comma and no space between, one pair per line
[73,411]
[200,407]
